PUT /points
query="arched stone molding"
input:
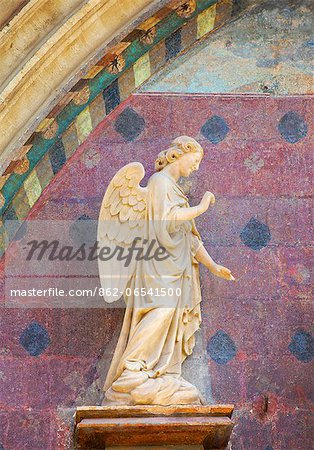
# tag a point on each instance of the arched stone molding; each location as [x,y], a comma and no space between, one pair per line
[29,30]
[148,47]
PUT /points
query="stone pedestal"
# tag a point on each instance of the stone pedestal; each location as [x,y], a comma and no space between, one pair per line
[163,427]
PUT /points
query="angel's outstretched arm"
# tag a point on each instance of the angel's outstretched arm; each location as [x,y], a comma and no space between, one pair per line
[203,257]
[195,211]
[188,213]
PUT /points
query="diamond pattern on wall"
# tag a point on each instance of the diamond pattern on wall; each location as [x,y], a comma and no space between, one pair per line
[111,96]
[255,234]
[173,45]
[129,124]
[35,339]
[302,346]
[221,348]
[292,127]
[215,129]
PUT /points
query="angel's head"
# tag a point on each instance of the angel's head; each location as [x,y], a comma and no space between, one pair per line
[185,152]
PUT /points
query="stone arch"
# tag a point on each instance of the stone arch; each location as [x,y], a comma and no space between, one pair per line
[97,90]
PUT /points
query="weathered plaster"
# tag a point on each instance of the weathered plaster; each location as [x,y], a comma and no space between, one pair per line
[9,8]
[29,30]
[269,49]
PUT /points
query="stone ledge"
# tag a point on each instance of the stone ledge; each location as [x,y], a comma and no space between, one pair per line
[207,427]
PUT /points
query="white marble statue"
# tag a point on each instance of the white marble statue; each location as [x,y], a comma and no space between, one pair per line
[162,293]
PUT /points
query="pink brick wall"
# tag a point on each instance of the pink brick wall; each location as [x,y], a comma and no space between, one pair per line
[257,330]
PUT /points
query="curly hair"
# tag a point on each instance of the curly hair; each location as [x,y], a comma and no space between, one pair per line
[178,147]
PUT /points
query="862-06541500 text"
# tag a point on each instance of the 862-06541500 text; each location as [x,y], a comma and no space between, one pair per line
[109,292]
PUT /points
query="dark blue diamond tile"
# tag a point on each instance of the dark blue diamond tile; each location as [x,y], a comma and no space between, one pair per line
[255,234]
[35,339]
[302,346]
[111,96]
[84,230]
[57,156]
[129,124]
[173,44]
[221,348]
[215,129]
[292,127]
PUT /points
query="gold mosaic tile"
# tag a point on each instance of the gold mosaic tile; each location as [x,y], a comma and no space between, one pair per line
[206,21]
[142,69]
[32,188]
[83,125]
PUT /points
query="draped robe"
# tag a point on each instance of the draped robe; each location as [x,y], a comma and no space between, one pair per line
[158,331]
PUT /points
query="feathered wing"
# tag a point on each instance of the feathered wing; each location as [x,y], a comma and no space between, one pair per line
[121,220]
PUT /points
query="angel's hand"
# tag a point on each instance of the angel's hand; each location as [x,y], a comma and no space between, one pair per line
[207,200]
[223,272]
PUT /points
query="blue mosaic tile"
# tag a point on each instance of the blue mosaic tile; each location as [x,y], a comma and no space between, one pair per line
[292,127]
[9,214]
[255,234]
[302,346]
[215,129]
[111,96]
[173,44]
[35,339]
[57,156]
[11,223]
[129,124]
[221,348]
[84,231]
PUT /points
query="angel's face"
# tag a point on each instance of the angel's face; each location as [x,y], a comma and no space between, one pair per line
[189,162]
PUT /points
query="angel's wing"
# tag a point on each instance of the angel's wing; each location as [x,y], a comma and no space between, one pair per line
[121,221]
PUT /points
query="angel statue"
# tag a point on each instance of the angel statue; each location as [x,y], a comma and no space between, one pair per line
[162,292]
